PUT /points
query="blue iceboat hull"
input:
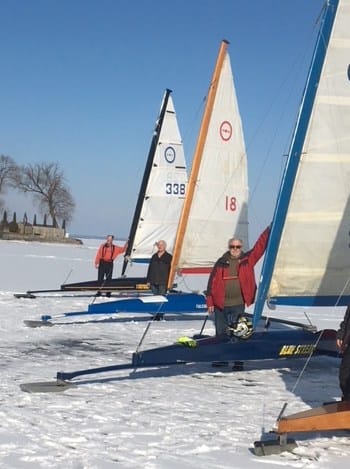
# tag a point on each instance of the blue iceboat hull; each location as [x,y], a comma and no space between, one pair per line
[277,344]
[267,345]
[171,303]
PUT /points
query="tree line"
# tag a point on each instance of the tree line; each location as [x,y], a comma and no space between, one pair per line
[45,182]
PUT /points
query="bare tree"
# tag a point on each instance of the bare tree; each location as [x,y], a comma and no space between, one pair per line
[8,169]
[47,184]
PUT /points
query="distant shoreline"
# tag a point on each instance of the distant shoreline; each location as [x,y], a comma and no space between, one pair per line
[85,236]
[31,238]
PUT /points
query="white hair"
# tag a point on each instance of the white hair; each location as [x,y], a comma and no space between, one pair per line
[235,239]
[163,242]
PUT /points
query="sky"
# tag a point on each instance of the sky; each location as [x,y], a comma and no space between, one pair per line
[82,83]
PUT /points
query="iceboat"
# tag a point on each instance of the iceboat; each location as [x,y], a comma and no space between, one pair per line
[157,210]
[215,205]
[312,215]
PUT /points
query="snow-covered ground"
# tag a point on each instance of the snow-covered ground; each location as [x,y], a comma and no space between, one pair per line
[193,416]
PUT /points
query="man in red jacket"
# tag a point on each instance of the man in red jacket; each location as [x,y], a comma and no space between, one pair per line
[105,257]
[231,284]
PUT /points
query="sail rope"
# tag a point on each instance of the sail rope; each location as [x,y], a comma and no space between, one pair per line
[190,133]
[311,352]
[154,318]
[67,277]
[296,384]
[288,82]
[297,381]
[342,292]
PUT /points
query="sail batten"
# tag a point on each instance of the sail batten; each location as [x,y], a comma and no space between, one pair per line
[310,301]
[332,100]
[309,250]
[321,218]
[327,158]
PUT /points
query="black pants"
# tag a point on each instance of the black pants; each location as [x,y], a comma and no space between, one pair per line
[344,374]
[158,289]
[226,317]
[105,271]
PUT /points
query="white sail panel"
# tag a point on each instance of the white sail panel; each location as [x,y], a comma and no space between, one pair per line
[165,191]
[219,206]
[314,253]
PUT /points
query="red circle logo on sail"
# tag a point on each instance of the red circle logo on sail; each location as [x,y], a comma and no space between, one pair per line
[226,131]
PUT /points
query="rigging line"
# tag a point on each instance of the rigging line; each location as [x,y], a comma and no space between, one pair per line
[194,119]
[296,69]
[342,292]
[99,290]
[154,318]
[311,353]
[307,362]
[67,277]
[203,325]
[301,374]
[308,318]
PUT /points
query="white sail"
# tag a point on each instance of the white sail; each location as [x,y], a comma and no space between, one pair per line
[313,258]
[165,190]
[219,206]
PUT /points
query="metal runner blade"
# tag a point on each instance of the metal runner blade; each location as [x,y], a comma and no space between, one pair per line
[33,323]
[46,386]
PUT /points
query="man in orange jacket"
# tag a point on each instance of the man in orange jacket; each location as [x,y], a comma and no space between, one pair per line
[105,257]
[232,284]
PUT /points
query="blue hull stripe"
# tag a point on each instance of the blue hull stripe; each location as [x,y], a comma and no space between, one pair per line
[310,301]
[176,303]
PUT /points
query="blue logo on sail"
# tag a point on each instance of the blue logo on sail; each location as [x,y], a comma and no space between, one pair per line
[170,154]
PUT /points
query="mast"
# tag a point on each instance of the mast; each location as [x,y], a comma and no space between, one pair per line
[294,156]
[146,175]
[196,162]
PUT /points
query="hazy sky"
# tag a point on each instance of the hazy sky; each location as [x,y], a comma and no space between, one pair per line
[82,82]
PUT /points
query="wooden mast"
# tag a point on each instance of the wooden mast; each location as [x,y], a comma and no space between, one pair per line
[196,162]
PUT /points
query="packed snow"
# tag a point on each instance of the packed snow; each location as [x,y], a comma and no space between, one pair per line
[184,416]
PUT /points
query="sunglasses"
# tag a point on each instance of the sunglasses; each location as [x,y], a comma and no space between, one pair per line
[235,246]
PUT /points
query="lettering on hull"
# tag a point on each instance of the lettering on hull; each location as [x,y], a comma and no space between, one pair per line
[290,350]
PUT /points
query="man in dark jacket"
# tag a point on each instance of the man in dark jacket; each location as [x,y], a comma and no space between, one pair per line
[343,343]
[231,284]
[159,269]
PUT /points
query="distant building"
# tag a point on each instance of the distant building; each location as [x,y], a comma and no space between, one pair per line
[33,232]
